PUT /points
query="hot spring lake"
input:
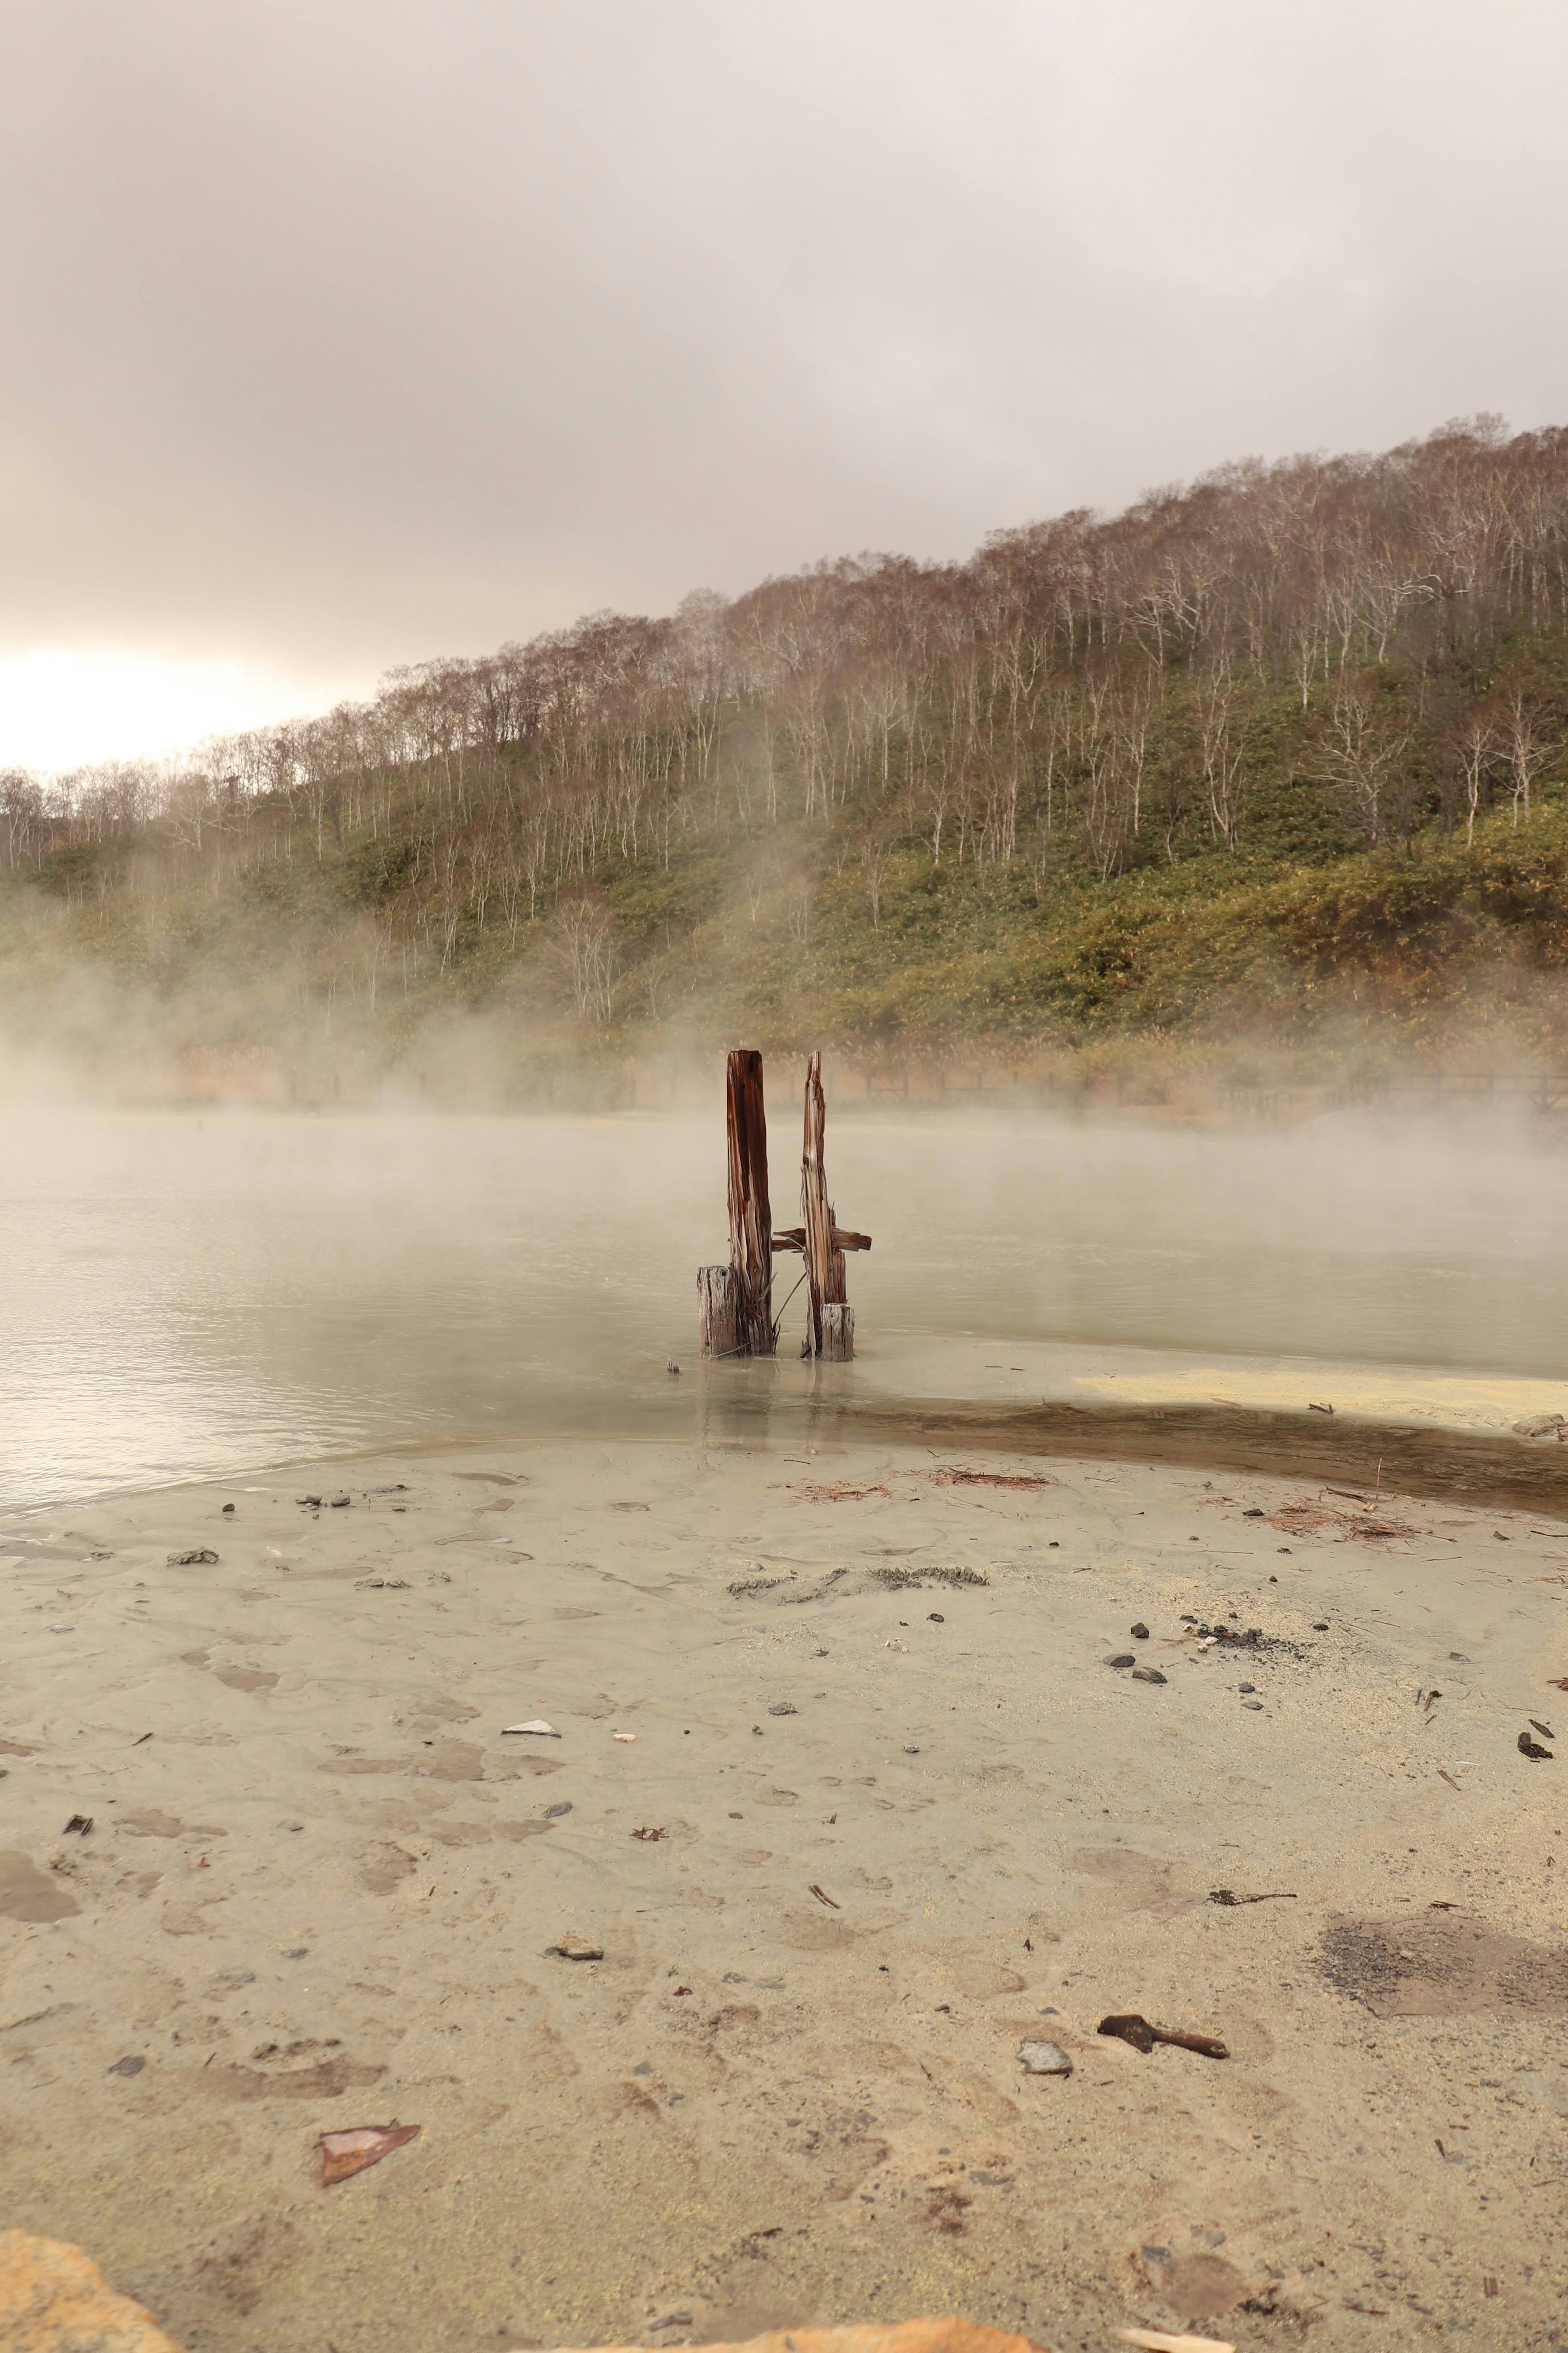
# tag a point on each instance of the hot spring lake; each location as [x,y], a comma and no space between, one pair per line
[190,1294]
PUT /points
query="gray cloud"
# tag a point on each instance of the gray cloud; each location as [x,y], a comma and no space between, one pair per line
[340,334]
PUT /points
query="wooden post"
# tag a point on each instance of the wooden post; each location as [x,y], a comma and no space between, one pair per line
[823,1263]
[829,1318]
[716,1311]
[737,1301]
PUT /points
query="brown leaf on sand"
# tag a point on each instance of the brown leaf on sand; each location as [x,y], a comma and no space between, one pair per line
[343,2153]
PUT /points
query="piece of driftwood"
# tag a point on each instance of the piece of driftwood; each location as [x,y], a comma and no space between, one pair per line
[736,1301]
[1127,2026]
[822,1241]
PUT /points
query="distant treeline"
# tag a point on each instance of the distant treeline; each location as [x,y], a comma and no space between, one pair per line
[879,794]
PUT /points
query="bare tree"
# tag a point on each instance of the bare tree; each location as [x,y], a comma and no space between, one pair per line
[1527,748]
[876,857]
[1362,753]
[1478,747]
[589,956]
[1223,734]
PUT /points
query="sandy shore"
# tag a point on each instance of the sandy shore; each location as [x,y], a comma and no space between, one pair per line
[885,1811]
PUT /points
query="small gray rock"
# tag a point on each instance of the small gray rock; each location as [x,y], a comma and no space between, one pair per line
[1044,2059]
[339,1502]
[1146,1675]
[554,1813]
[1122,1659]
[1140,1632]
[1246,1687]
[199,1556]
[1255,1704]
[783,1707]
[127,2067]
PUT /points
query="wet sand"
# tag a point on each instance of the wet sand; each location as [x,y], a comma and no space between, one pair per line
[905,1816]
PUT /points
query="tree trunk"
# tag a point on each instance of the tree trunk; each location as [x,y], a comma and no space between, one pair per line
[825,1279]
[751,1217]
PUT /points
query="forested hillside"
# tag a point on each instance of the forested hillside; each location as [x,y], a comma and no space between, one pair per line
[1277,757]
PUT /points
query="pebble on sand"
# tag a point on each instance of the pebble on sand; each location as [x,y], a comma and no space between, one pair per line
[1044,2059]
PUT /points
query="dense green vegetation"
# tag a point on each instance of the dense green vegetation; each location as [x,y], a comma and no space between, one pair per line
[1273,764]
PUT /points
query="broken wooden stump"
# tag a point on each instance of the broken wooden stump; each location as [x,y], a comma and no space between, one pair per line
[829,1318]
[716,1311]
[736,1301]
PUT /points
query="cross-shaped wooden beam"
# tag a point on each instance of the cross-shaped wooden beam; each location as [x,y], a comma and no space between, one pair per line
[736,1315]
[821,1241]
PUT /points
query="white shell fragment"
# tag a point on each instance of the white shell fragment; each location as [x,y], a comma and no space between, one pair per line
[546,1731]
[1155,2340]
[1044,2059]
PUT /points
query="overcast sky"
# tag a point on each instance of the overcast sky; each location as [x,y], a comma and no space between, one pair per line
[337,334]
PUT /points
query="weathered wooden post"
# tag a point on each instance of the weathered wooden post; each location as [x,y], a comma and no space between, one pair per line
[736,1311]
[829,1319]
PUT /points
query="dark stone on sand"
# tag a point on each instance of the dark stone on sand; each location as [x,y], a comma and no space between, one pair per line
[1122,1659]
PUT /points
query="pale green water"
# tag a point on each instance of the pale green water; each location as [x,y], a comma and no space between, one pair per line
[185,1296]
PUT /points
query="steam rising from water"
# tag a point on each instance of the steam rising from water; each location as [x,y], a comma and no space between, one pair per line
[200,1294]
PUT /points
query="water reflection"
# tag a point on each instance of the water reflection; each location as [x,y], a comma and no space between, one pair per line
[189,1296]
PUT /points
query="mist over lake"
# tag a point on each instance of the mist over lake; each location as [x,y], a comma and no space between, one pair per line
[196,1294]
